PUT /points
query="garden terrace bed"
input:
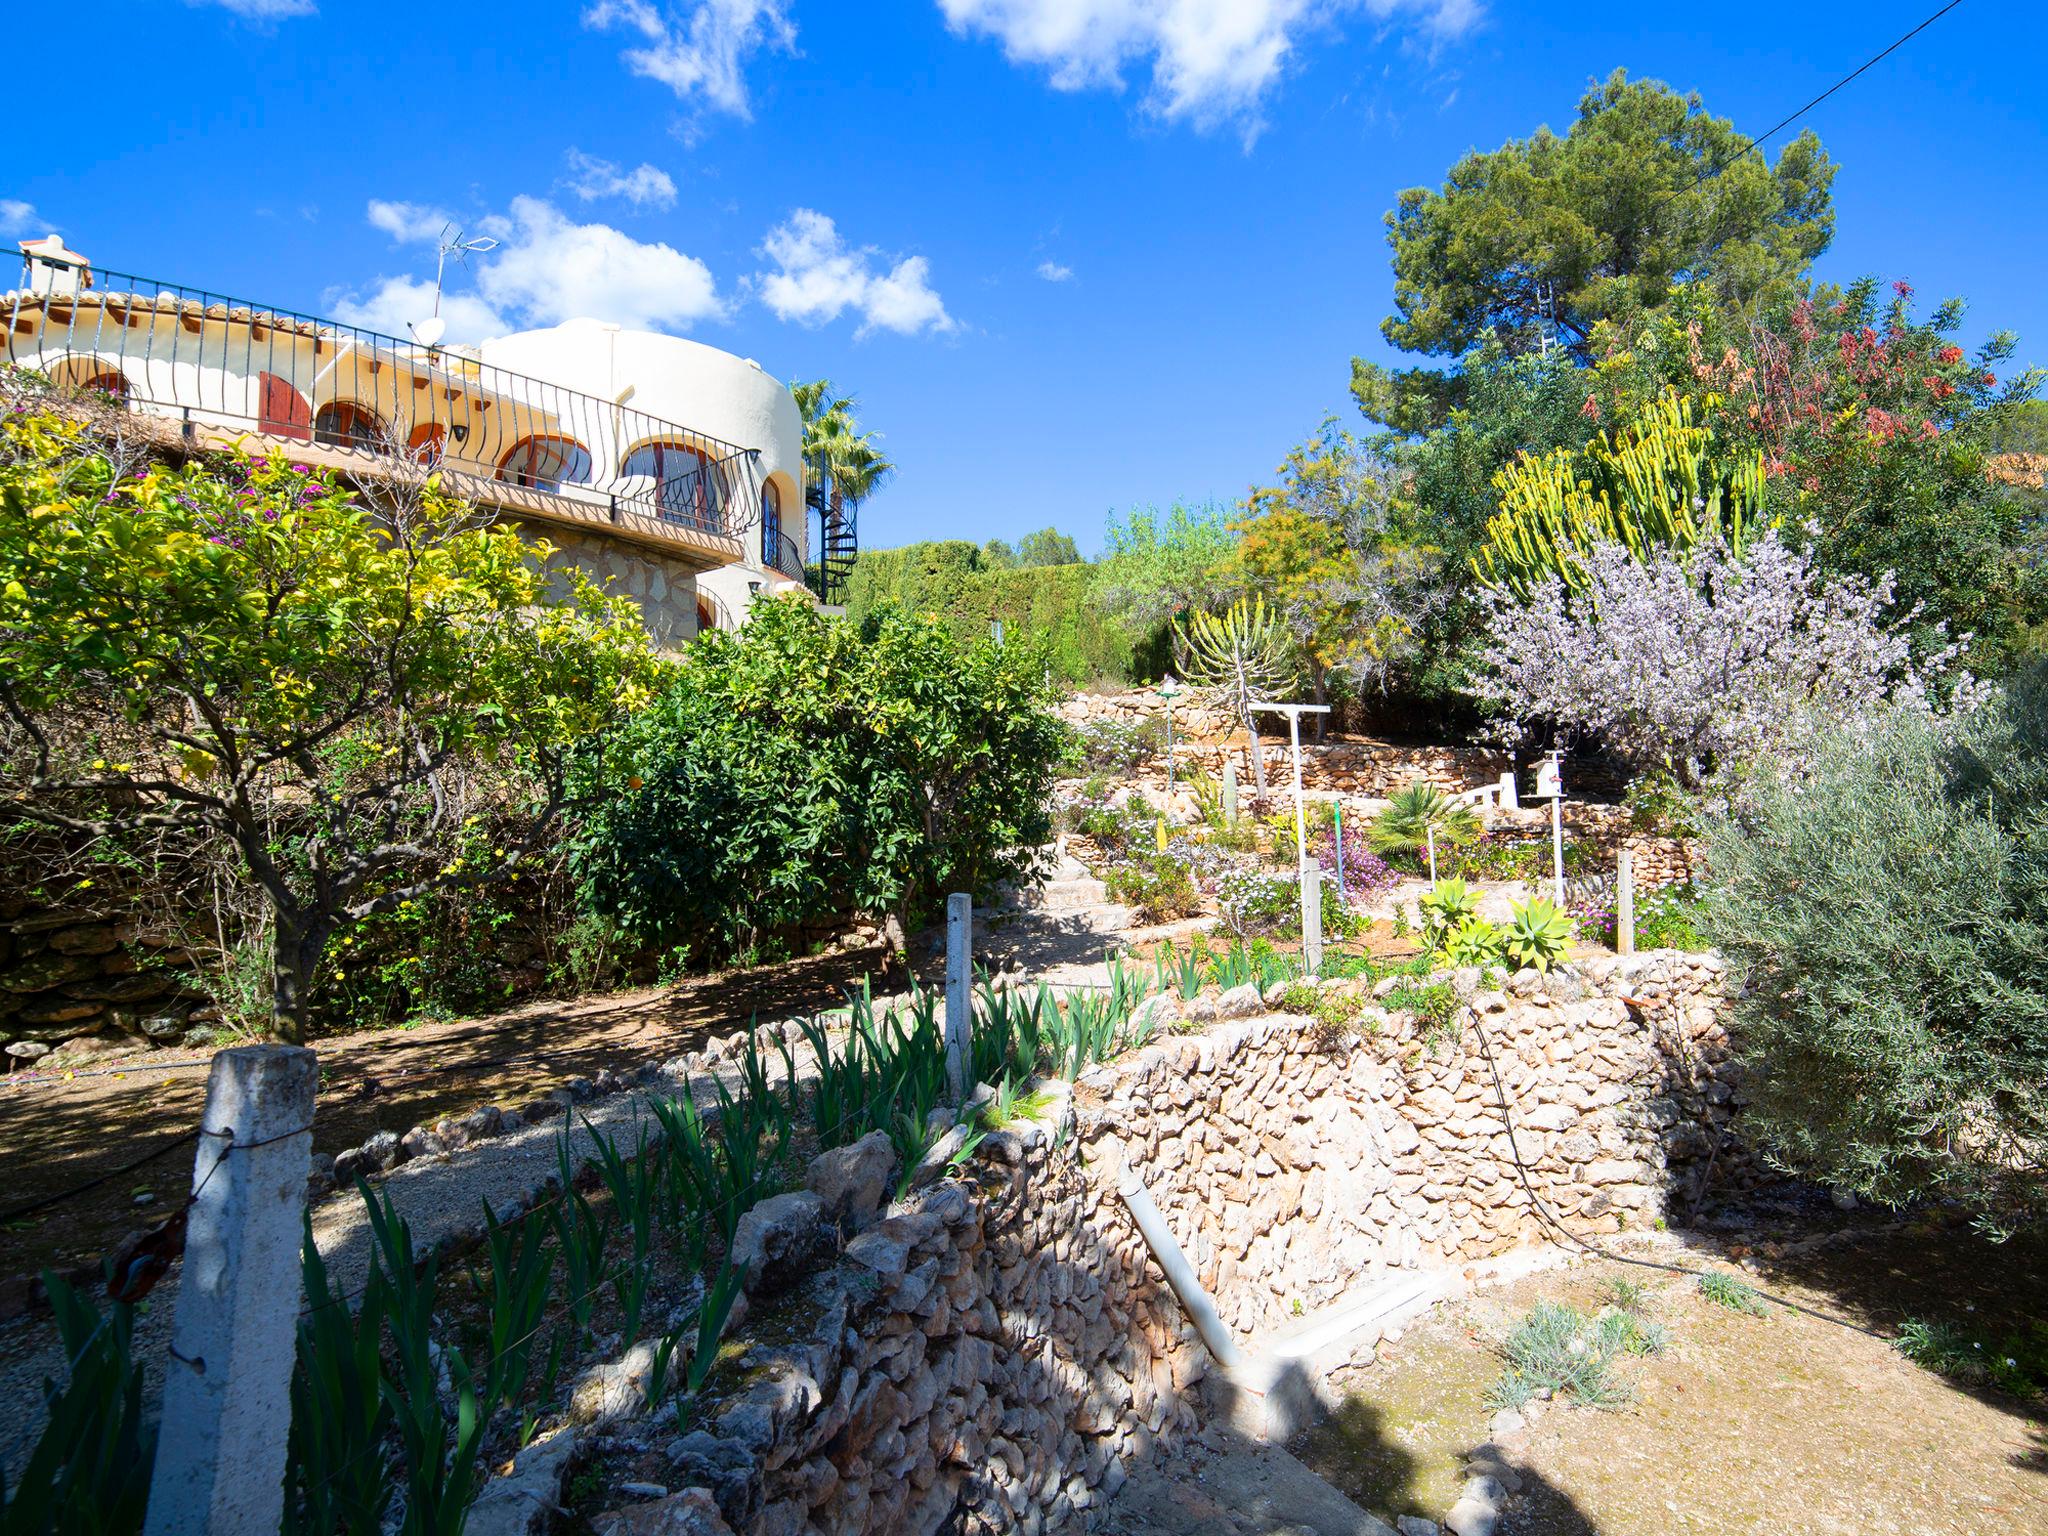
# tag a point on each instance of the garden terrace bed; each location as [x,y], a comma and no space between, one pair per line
[1295,1158]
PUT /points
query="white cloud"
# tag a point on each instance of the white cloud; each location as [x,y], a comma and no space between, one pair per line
[1211,60]
[547,268]
[1053,272]
[643,186]
[699,51]
[409,223]
[263,10]
[821,277]
[396,303]
[20,218]
[551,269]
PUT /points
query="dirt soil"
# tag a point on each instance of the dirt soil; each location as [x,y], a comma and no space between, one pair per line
[57,1132]
[1746,1424]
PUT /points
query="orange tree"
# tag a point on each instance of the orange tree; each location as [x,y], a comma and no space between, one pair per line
[246,654]
[806,768]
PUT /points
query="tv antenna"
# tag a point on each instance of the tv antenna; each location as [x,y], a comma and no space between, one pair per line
[452,243]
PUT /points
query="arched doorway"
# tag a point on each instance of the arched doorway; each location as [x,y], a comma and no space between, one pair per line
[345,424]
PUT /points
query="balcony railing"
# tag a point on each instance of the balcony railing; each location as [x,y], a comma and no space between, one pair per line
[221,367]
[787,557]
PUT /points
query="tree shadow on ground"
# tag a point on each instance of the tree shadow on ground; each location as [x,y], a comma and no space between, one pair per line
[57,1135]
[1935,1270]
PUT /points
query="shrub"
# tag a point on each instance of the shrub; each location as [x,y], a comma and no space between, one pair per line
[1884,915]
[1668,919]
[1703,665]
[804,768]
[1119,746]
[1413,813]
[1250,901]
[1159,886]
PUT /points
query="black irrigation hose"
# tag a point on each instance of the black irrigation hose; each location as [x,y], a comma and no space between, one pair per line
[1550,1217]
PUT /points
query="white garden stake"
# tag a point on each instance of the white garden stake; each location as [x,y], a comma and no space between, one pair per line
[1294,712]
[1550,785]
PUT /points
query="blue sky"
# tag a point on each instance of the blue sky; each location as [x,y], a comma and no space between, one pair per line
[1072,255]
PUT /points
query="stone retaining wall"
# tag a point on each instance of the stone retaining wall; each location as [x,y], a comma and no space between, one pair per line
[988,1357]
[67,975]
[998,1349]
[1294,1161]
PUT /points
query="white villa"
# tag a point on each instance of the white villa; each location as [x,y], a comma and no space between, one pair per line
[669,466]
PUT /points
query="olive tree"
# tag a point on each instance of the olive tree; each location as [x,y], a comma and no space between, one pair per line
[1885,912]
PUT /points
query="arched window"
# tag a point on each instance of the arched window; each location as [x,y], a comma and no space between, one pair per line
[546,463]
[344,424]
[688,486]
[707,616]
[90,376]
[771,523]
[428,441]
[281,410]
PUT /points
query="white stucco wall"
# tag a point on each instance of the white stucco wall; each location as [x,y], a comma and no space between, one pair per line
[697,386]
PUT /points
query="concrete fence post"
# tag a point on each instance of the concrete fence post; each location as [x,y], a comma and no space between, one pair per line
[1510,796]
[227,1385]
[959,994]
[1312,916]
[1625,905]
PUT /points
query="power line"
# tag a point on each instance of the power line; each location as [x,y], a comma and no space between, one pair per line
[1792,117]
[1876,58]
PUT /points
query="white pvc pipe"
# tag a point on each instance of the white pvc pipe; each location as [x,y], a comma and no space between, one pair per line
[1179,1273]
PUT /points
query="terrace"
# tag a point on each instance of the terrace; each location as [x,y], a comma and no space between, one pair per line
[211,371]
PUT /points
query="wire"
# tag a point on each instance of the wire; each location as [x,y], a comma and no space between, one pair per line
[1550,1219]
[46,1201]
[1876,58]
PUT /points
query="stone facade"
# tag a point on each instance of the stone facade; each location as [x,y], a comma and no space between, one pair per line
[665,588]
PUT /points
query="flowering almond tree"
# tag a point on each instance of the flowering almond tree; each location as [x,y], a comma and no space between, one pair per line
[247,654]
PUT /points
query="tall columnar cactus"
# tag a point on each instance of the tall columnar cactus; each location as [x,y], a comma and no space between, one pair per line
[1243,655]
[1659,482]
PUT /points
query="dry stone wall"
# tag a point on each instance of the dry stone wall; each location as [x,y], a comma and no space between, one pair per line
[1295,1160]
[70,976]
[995,1351]
[989,1357]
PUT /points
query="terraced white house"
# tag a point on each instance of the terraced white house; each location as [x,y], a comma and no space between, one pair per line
[670,467]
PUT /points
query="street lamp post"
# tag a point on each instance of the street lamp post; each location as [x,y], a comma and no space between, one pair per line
[1168,690]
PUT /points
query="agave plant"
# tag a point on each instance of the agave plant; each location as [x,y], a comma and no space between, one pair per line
[1537,933]
[1414,814]
[1446,906]
[1474,941]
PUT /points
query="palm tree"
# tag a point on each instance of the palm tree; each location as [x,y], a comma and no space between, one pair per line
[835,449]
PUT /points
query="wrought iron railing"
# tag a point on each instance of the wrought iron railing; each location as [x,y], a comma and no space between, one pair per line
[787,557]
[209,361]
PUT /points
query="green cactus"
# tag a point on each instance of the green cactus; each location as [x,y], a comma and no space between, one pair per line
[1660,482]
